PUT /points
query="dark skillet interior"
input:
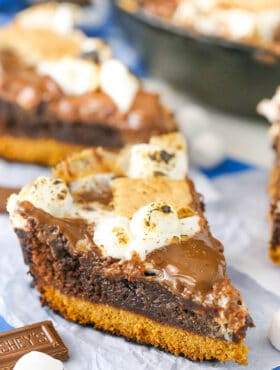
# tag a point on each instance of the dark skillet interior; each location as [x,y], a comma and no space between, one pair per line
[227,75]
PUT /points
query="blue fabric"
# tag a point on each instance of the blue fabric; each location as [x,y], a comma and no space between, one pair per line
[227,167]
[4,325]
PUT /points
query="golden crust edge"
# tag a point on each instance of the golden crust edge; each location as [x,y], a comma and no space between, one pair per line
[143,330]
[46,152]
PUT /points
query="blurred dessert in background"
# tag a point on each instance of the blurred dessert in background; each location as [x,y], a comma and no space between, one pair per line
[61,91]
[254,22]
[271,110]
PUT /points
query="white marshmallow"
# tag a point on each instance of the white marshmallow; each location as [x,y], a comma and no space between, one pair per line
[38,361]
[151,227]
[274,330]
[48,194]
[207,150]
[147,160]
[112,233]
[117,82]
[75,76]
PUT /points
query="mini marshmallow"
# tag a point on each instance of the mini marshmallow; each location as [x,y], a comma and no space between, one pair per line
[38,361]
[149,160]
[113,235]
[274,330]
[48,194]
[75,76]
[207,150]
[153,226]
[119,84]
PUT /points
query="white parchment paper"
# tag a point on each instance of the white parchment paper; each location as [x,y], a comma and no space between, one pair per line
[236,208]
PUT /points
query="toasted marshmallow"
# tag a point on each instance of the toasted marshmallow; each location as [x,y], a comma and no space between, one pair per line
[152,226]
[60,18]
[49,194]
[149,160]
[75,76]
[35,360]
[274,330]
[113,235]
[117,82]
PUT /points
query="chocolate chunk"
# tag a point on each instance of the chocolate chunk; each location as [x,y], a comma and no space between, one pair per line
[40,337]
[4,195]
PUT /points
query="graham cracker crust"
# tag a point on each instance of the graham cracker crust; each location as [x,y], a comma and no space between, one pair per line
[143,329]
[46,152]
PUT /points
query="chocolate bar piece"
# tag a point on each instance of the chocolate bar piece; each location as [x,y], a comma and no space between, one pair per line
[41,337]
[4,195]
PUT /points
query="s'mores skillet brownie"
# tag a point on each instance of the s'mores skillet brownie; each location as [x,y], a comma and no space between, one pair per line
[61,91]
[253,22]
[118,240]
[270,108]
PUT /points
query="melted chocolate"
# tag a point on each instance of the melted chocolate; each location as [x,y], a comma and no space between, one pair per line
[196,263]
[74,229]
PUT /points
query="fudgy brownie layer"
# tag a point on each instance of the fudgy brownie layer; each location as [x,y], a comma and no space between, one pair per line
[87,275]
[38,124]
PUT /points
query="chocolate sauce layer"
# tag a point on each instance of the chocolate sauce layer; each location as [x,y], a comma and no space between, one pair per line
[34,106]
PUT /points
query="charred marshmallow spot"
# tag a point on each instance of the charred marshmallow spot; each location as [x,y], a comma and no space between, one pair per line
[149,160]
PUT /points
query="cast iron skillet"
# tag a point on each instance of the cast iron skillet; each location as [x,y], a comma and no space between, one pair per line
[225,74]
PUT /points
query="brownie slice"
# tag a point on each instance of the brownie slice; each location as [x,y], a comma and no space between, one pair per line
[61,91]
[271,110]
[118,240]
